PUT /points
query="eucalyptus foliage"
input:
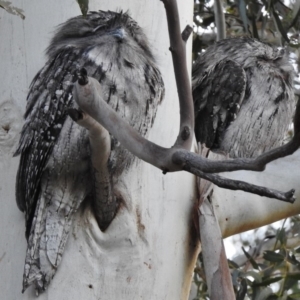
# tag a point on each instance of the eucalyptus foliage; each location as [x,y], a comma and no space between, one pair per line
[268,20]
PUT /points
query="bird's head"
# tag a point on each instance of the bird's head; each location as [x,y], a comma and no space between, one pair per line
[82,32]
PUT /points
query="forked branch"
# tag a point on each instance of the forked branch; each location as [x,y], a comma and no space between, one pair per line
[177,158]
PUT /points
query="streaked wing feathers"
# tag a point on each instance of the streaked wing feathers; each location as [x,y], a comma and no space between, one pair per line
[218,94]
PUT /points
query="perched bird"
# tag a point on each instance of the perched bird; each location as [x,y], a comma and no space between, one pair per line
[243,97]
[55,173]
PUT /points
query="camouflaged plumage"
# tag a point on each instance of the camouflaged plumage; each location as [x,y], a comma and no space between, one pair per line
[243,97]
[55,173]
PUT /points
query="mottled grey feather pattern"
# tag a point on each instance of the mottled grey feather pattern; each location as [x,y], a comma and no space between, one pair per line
[243,97]
[55,173]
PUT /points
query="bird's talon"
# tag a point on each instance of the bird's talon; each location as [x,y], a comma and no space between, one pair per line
[82,77]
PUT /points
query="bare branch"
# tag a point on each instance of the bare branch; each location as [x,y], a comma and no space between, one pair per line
[98,136]
[178,50]
[89,100]
[182,157]
[243,186]
[105,202]
[219,20]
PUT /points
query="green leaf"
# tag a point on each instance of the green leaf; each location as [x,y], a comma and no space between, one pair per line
[84,6]
[294,296]
[12,9]
[292,259]
[289,283]
[268,281]
[252,261]
[281,236]
[273,256]
[295,275]
[232,264]
[264,294]
[253,274]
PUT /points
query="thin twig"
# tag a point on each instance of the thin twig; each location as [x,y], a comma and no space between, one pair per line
[178,50]
[243,186]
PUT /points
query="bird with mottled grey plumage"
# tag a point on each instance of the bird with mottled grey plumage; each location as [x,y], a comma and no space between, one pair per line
[55,173]
[243,97]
